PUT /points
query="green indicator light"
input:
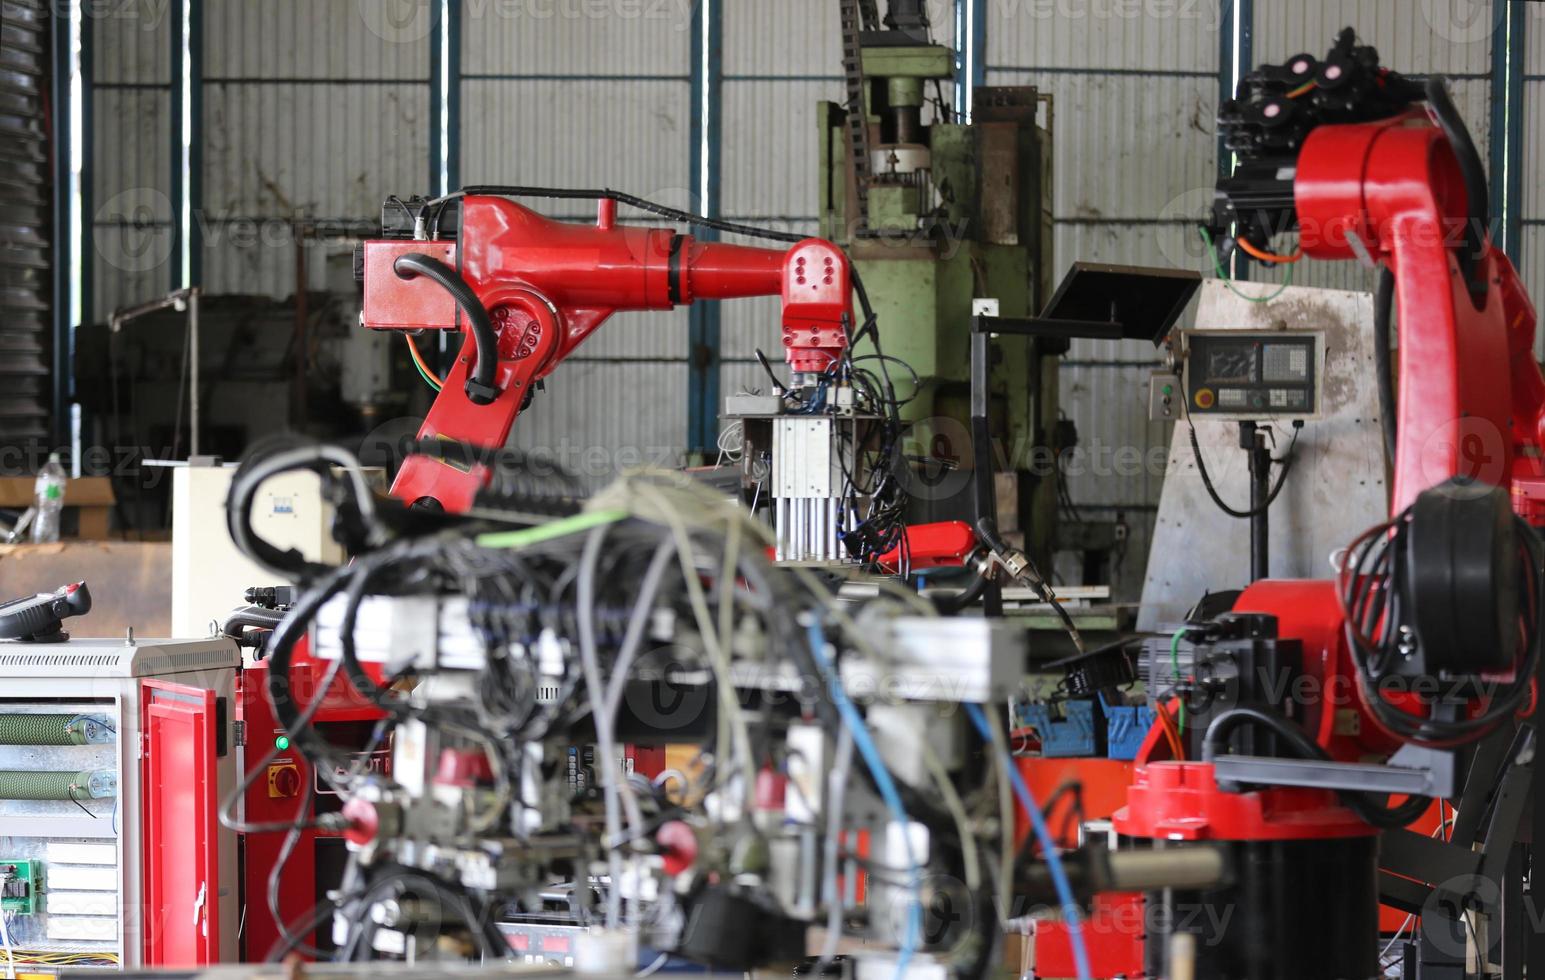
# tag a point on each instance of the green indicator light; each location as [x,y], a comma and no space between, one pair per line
[1169,389]
[282,742]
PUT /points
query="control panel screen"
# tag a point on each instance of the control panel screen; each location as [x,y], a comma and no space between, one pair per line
[1231,363]
[1242,375]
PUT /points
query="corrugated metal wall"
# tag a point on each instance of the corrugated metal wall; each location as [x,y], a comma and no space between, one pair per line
[130,214]
[1532,207]
[577,95]
[312,109]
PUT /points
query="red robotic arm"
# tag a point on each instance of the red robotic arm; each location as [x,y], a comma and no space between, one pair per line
[1471,396]
[547,285]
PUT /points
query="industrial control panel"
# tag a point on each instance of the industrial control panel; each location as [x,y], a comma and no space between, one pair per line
[1244,375]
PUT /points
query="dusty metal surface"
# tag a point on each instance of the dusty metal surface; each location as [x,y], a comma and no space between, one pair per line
[1336,489]
[131,582]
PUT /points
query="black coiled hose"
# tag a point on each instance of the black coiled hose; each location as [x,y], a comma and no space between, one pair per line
[480,386]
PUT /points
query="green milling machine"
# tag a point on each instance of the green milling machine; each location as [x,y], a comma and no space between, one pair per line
[936,216]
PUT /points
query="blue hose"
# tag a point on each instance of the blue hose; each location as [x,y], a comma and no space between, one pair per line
[1054,867]
[864,742]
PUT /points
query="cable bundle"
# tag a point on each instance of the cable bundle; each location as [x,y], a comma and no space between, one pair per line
[1372,585]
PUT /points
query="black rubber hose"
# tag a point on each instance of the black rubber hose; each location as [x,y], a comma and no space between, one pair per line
[1286,464]
[1478,225]
[250,617]
[480,385]
[1383,354]
[1366,806]
[952,604]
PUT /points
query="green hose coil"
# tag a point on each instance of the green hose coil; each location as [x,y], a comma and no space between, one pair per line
[88,784]
[53,730]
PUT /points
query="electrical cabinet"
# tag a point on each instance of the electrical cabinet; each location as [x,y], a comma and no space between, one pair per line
[114,758]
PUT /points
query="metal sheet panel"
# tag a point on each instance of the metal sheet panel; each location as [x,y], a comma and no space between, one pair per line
[277,152]
[580,133]
[1335,491]
[598,419]
[1533,208]
[322,120]
[1451,36]
[133,213]
[801,37]
[131,42]
[316,39]
[1148,36]
[1534,39]
[577,38]
[130,172]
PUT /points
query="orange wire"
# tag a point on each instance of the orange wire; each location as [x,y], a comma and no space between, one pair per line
[1265,256]
[1300,90]
[1171,733]
[419,360]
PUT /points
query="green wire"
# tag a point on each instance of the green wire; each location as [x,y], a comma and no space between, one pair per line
[1174,662]
[1217,266]
[514,540]
[423,374]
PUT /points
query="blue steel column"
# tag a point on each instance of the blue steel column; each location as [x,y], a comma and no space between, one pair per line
[445,101]
[195,175]
[703,323]
[1507,127]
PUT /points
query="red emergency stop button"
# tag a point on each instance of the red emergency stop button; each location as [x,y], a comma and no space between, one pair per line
[1205,398]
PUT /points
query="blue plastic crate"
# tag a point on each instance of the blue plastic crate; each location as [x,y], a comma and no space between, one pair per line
[1066,737]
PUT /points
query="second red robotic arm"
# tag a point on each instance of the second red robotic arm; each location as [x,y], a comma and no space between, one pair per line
[547,285]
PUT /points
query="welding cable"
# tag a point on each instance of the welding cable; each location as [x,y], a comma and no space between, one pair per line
[1217,268]
[1286,464]
[1262,255]
[430,378]
[1365,805]
[875,763]
[950,605]
[1383,355]
[1477,198]
[1064,888]
[481,387]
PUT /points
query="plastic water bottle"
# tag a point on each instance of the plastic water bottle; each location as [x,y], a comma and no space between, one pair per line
[48,494]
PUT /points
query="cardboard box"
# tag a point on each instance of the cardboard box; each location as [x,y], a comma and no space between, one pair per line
[90,497]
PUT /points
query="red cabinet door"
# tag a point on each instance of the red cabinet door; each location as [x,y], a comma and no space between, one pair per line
[179,815]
